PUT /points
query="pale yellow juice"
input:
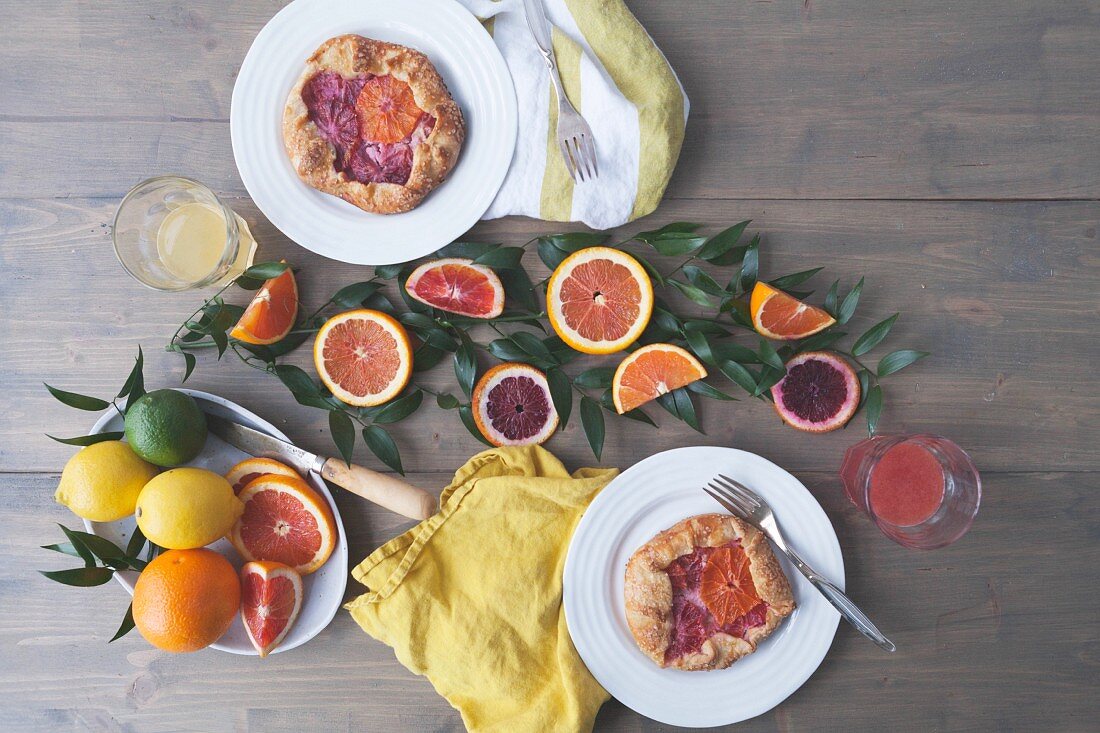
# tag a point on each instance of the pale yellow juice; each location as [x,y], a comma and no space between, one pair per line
[191,242]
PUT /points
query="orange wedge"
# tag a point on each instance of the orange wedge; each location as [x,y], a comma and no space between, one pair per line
[363,357]
[271,597]
[271,314]
[777,315]
[286,521]
[652,371]
[251,469]
[599,300]
[458,285]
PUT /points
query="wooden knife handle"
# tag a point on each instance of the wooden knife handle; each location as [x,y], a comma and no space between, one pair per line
[385,491]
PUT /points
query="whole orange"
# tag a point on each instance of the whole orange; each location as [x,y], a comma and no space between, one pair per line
[184,600]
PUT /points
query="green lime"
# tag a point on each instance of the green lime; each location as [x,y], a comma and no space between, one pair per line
[166,428]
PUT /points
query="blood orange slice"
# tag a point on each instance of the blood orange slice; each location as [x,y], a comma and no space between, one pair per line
[387,110]
[271,313]
[599,300]
[363,357]
[652,371]
[251,469]
[271,597]
[513,406]
[727,587]
[819,393]
[286,521]
[780,316]
[459,286]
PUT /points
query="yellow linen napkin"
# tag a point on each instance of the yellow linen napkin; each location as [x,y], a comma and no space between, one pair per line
[472,597]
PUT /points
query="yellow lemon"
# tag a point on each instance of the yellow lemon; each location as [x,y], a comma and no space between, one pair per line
[186,508]
[102,481]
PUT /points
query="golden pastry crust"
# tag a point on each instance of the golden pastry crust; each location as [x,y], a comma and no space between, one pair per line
[649,590]
[433,158]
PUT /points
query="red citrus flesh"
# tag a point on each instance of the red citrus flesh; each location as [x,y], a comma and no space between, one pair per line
[387,110]
[271,597]
[458,286]
[727,588]
[513,406]
[600,300]
[819,393]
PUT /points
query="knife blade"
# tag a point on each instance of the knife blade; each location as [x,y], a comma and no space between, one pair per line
[382,489]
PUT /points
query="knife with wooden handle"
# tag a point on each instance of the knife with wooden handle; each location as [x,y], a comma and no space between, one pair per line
[384,490]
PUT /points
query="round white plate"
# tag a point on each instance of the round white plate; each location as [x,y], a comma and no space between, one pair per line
[471,66]
[652,496]
[323,590]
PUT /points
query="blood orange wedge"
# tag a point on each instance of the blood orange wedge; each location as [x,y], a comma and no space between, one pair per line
[251,469]
[459,286]
[271,597]
[271,314]
[819,393]
[780,316]
[286,521]
[599,300]
[652,371]
[363,357]
[727,588]
[387,110]
[512,405]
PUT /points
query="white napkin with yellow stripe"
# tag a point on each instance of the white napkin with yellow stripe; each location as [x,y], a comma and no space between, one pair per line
[621,83]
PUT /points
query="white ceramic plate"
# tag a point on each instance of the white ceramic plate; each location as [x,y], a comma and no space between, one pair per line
[323,590]
[474,71]
[652,496]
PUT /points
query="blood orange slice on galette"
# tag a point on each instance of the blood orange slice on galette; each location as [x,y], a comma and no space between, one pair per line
[704,593]
[373,123]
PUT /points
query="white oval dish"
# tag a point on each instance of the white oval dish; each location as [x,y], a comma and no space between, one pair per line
[476,75]
[650,497]
[323,590]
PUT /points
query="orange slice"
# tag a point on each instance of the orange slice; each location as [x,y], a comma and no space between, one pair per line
[251,469]
[727,588]
[512,405]
[363,357]
[286,521]
[780,316]
[271,597]
[599,300]
[271,313]
[457,285]
[652,371]
[387,110]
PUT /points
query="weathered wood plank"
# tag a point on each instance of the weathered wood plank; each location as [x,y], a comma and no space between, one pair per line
[1003,294]
[1009,607]
[789,100]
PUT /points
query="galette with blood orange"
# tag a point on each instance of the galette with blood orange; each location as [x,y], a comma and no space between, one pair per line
[704,593]
[373,123]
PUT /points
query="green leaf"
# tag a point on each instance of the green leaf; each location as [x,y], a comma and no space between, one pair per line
[126,626]
[78,544]
[382,445]
[651,270]
[739,312]
[388,272]
[678,404]
[708,327]
[79,401]
[864,377]
[847,307]
[189,362]
[769,356]
[136,543]
[820,341]
[266,270]
[722,242]
[301,386]
[595,378]
[343,434]
[831,297]
[84,440]
[668,230]
[676,244]
[693,293]
[399,409]
[503,258]
[518,287]
[561,391]
[506,350]
[352,296]
[467,416]
[727,351]
[592,422]
[135,374]
[553,248]
[769,377]
[795,278]
[700,346]
[80,577]
[102,548]
[739,375]
[750,265]
[221,340]
[427,356]
[466,365]
[700,279]
[873,408]
[607,401]
[702,388]
[663,324]
[895,361]
[873,336]
[467,250]
[531,344]
[446,401]
[65,548]
[550,255]
[248,283]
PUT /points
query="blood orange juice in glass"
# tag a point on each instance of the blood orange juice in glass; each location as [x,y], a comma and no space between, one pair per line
[921,490]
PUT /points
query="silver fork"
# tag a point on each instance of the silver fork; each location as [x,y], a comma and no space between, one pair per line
[744,503]
[578,146]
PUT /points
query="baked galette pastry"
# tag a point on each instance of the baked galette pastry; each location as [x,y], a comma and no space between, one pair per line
[373,123]
[703,593]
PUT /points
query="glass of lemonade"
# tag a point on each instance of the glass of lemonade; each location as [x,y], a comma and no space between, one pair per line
[173,233]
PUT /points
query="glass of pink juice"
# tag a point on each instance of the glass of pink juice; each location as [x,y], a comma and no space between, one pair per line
[921,490]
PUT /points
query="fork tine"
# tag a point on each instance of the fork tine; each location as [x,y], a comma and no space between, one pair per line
[725,503]
[730,497]
[584,155]
[568,156]
[591,143]
[578,158]
[739,489]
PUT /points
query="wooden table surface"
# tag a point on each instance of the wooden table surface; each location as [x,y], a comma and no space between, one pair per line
[948,151]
